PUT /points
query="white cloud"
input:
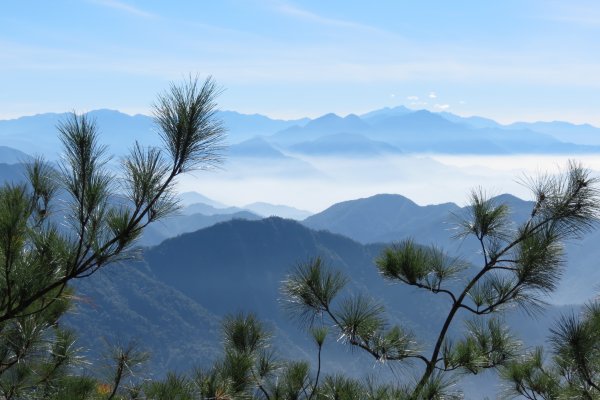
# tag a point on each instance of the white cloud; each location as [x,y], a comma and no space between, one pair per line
[412,98]
[583,13]
[119,5]
[442,106]
[392,95]
[432,95]
[306,15]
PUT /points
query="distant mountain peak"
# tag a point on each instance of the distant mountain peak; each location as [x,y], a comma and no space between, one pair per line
[379,218]
[8,155]
[385,112]
[327,117]
[106,111]
[426,114]
[255,147]
[189,198]
[279,210]
[344,143]
[390,199]
[509,199]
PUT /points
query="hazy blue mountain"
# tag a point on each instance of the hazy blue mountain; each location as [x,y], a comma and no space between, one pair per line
[246,260]
[171,300]
[325,125]
[564,131]
[265,159]
[389,218]
[178,224]
[277,210]
[229,267]
[243,262]
[385,218]
[418,121]
[581,282]
[256,147]
[410,131]
[8,155]
[120,131]
[189,198]
[349,123]
[473,121]
[239,266]
[12,173]
[386,112]
[423,131]
[244,126]
[38,134]
[195,203]
[344,144]
[276,165]
[123,303]
[32,134]
[207,209]
[567,132]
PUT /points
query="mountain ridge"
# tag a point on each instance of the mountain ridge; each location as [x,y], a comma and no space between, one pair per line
[409,130]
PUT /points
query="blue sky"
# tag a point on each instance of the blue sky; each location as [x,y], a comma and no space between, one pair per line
[509,60]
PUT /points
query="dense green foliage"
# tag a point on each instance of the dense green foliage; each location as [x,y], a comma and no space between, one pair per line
[574,368]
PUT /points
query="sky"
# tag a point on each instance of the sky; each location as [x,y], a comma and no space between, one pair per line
[511,60]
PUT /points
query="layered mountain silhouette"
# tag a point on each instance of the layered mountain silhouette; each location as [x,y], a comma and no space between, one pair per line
[212,260]
[242,127]
[322,126]
[345,144]
[392,218]
[386,130]
[256,147]
[8,155]
[278,210]
[187,283]
[179,224]
[386,218]
[564,131]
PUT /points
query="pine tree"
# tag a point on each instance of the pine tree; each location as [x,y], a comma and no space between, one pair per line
[519,265]
[574,368]
[68,223]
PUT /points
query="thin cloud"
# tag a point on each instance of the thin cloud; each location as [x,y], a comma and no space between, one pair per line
[309,16]
[432,95]
[584,13]
[412,98]
[442,106]
[119,5]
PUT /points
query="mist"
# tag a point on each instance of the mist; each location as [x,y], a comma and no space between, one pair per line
[315,183]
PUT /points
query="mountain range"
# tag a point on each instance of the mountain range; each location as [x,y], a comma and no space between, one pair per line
[213,259]
[389,130]
[175,295]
